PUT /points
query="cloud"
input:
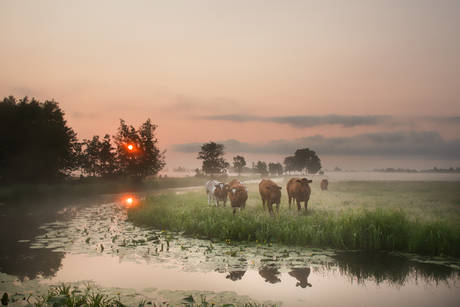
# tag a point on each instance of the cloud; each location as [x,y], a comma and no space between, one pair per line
[424,144]
[347,121]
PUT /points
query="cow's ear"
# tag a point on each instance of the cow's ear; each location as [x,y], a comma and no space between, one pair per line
[310,181]
[279,188]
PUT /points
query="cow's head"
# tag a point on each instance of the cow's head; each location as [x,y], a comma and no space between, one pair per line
[274,192]
[304,184]
[235,192]
[221,190]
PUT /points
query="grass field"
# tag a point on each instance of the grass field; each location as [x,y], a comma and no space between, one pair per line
[419,217]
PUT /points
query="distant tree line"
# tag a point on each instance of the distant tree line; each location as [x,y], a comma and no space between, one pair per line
[37,146]
[433,170]
[214,163]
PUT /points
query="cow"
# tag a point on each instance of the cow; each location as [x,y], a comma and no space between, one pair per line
[301,274]
[217,192]
[270,193]
[324,183]
[300,190]
[238,194]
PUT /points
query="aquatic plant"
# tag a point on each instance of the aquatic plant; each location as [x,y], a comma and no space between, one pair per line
[61,296]
[373,216]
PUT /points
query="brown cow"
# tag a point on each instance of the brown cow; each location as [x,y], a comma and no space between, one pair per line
[324,184]
[270,193]
[238,194]
[299,190]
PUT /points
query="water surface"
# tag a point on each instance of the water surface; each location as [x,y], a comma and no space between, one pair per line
[91,240]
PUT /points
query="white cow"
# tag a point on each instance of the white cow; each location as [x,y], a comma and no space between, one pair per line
[217,192]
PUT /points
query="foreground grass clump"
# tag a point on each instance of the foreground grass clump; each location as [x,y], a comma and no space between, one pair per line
[64,296]
[416,217]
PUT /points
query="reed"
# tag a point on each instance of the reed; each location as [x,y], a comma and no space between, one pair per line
[419,217]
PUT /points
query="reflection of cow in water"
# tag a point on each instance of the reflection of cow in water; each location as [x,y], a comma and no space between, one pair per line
[301,274]
[270,274]
[235,275]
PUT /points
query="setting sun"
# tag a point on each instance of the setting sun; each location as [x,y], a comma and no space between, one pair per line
[130,147]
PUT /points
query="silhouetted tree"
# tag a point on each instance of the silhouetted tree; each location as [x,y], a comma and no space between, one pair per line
[275,169]
[307,159]
[290,164]
[314,166]
[238,163]
[261,168]
[36,145]
[213,163]
[99,158]
[137,151]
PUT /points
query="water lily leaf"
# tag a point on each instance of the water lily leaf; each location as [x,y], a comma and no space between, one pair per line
[189,299]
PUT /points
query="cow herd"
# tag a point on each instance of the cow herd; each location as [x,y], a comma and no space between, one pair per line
[298,189]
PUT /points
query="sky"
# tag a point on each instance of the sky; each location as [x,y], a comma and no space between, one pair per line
[365,84]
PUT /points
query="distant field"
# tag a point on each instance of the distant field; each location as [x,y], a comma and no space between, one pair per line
[419,217]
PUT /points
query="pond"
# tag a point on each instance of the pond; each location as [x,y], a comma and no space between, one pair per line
[90,241]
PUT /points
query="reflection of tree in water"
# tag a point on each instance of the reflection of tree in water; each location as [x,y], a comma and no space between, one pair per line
[22,222]
[301,274]
[235,275]
[270,273]
[395,270]
[31,263]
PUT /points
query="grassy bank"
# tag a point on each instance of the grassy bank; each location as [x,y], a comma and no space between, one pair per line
[419,217]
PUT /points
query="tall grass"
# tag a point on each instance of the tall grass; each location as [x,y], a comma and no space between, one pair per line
[357,215]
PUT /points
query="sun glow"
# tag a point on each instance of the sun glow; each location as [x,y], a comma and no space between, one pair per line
[129,201]
[130,147]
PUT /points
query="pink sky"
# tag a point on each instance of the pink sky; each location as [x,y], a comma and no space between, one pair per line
[366,84]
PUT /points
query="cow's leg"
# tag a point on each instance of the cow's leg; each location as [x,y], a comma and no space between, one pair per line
[306,205]
[209,199]
[298,205]
[289,197]
[263,203]
[277,208]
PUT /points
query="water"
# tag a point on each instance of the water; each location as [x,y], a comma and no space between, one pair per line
[90,240]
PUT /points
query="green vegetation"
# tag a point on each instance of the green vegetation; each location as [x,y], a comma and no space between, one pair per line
[418,217]
[64,296]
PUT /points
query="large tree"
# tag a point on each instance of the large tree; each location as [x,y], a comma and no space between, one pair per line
[261,168]
[307,159]
[275,169]
[213,162]
[99,158]
[137,151]
[36,145]
[289,163]
[238,163]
